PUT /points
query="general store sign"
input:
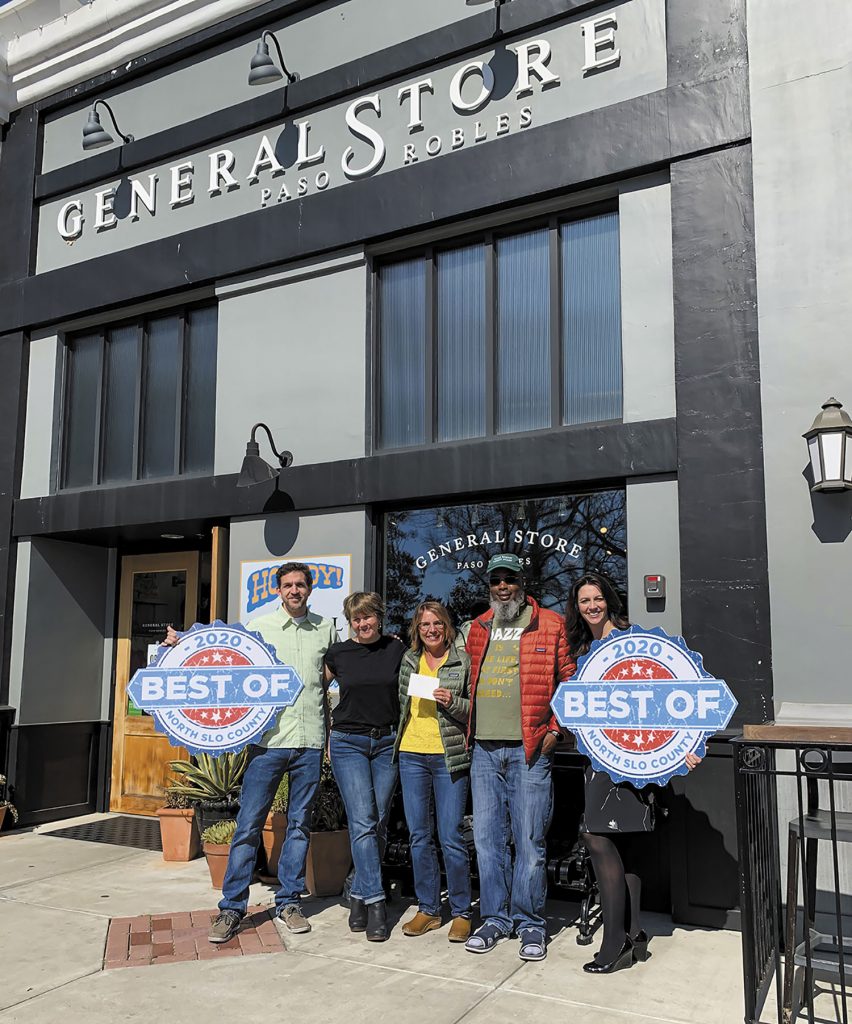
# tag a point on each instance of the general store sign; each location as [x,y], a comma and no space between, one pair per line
[582,64]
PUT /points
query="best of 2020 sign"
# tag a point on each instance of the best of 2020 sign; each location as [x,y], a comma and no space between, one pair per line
[217,690]
[639,703]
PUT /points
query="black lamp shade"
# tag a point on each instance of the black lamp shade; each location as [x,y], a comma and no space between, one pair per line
[94,133]
[262,67]
[254,469]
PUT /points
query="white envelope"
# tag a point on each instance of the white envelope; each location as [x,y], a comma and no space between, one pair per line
[422,686]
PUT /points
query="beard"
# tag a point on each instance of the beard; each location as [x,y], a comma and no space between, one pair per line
[507,611]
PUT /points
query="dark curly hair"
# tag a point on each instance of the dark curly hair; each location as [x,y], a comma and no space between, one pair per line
[579,635]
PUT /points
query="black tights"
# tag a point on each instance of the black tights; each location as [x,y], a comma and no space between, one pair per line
[620,890]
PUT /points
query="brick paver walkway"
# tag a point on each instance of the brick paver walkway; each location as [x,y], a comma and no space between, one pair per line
[173,938]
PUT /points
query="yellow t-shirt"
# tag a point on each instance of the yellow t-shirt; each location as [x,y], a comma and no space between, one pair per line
[421,733]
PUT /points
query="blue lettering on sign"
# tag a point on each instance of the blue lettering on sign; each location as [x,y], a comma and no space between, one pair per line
[244,686]
[669,704]
[261,585]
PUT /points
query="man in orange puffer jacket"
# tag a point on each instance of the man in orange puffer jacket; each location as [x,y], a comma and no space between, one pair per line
[518,654]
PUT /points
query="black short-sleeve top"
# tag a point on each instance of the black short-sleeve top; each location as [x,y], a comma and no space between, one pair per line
[368,677]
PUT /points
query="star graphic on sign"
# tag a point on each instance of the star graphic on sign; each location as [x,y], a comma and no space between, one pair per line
[623,674]
[637,739]
[204,661]
[216,716]
[205,715]
[625,736]
[649,672]
[652,736]
[217,655]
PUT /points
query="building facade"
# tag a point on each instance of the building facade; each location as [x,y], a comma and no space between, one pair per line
[539,276]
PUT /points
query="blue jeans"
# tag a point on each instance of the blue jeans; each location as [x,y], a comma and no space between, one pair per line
[259,784]
[366,776]
[427,783]
[511,799]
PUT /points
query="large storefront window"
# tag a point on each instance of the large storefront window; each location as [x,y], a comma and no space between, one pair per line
[443,552]
[517,331]
[140,399]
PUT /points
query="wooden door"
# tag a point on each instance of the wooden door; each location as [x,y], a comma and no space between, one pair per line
[155,591]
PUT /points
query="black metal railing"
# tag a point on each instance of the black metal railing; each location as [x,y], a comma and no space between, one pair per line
[795,863]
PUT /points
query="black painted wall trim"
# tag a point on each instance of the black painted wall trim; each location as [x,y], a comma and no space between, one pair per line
[624,139]
[575,455]
[357,76]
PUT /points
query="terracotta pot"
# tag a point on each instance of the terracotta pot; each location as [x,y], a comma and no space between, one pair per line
[217,861]
[2,815]
[178,833]
[273,839]
[329,860]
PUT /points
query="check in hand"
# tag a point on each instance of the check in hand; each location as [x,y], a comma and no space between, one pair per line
[443,696]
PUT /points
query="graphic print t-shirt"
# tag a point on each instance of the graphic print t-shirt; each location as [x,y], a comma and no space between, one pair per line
[498,692]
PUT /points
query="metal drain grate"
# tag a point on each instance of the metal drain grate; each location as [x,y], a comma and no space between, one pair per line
[123,830]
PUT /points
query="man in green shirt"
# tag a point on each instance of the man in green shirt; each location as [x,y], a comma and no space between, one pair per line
[294,744]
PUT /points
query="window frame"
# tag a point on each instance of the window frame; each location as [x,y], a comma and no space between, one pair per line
[140,322]
[428,251]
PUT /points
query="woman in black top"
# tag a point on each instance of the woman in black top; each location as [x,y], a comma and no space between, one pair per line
[363,733]
[613,810]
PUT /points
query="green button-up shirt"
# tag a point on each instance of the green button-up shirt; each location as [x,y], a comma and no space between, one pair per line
[302,645]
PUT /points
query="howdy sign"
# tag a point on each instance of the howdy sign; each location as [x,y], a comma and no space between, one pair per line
[218,689]
[639,703]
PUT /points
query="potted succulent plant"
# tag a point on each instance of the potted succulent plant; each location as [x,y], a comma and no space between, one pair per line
[211,784]
[6,805]
[180,839]
[216,840]
[276,826]
[329,856]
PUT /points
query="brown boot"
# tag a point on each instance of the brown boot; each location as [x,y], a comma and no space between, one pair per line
[459,929]
[420,924]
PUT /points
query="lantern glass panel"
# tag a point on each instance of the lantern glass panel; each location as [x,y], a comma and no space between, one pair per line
[813,450]
[832,451]
[847,462]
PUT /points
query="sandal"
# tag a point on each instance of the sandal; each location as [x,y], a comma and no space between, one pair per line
[533,944]
[485,938]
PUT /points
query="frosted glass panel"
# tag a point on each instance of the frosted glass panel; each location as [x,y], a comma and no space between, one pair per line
[403,354]
[120,415]
[461,342]
[523,332]
[162,379]
[200,405]
[591,320]
[81,410]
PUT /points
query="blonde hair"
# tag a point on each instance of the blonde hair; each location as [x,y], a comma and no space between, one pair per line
[440,612]
[364,602]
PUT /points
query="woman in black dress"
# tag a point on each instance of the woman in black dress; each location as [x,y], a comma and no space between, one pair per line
[613,811]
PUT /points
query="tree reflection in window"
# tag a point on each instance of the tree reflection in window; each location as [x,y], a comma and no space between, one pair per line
[430,553]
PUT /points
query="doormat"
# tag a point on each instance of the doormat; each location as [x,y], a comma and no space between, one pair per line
[122,830]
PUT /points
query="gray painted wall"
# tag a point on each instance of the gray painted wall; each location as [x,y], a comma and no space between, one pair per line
[802,148]
[647,310]
[38,437]
[640,38]
[315,40]
[653,547]
[63,614]
[292,352]
[335,533]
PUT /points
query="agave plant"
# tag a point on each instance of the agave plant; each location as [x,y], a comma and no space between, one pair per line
[219,834]
[210,779]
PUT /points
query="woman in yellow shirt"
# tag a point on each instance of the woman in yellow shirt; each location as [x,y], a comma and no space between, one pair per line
[434,768]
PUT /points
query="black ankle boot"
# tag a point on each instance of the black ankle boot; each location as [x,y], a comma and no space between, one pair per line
[357,915]
[377,921]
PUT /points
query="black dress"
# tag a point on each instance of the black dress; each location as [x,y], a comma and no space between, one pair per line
[615,807]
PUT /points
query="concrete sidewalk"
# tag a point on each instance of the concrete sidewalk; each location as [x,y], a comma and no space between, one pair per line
[57,897]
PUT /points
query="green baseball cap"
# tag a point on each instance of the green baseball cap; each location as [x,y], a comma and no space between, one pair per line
[507,562]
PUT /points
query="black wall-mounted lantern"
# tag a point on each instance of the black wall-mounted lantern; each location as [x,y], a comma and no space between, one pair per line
[830,448]
[254,469]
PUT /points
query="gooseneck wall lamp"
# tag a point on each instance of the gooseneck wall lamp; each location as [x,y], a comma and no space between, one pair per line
[94,133]
[254,469]
[263,67]
[497,6]
[830,448]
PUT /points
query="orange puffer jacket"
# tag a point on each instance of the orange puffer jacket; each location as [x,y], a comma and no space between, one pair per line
[544,661]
